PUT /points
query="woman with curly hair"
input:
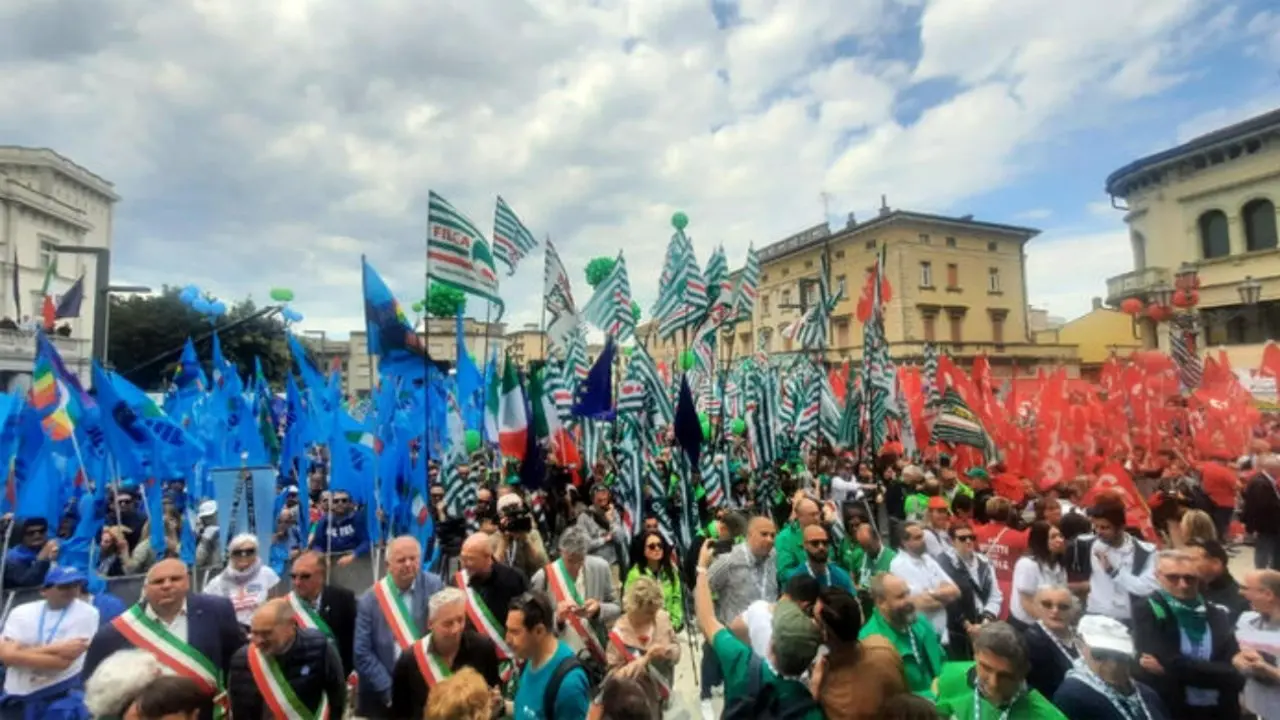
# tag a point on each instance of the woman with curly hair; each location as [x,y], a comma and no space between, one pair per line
[642,643]
[462,696]
[118,680]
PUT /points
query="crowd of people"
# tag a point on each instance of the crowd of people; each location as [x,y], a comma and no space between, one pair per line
[882,588]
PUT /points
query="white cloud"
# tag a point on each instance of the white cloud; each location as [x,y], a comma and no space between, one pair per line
[1034,214]
[273,144]
[1065,271]
[1265,27]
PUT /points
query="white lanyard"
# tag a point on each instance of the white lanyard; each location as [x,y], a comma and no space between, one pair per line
[1066,652]
[57,623]
[1124,708]
[977,703]
[825,580]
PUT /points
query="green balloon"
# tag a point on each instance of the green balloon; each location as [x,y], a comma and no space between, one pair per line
[686,360]
[679,220]
[739,426]
[281,294]
[627,352]
[417,306]
[473,440]
[706,429]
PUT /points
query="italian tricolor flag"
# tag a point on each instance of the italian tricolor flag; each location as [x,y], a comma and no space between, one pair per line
[546,423]
[513,423]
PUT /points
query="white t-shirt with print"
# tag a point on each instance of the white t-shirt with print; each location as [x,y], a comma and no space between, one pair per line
[79,620]
[1028,577]
[246,598]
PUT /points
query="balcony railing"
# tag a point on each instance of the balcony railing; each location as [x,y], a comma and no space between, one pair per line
[22,344]
[1135,283]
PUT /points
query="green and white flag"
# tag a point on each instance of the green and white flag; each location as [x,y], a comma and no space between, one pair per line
[958,425]
[744,296]
[458,254]
[557,296]
[512,241]
[610,307]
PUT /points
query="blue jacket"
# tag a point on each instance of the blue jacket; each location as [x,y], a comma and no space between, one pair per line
[375,645]
[1078,701]
[22,569]
[212,629]
[349,534]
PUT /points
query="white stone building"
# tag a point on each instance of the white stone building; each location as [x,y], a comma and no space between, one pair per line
[46,201]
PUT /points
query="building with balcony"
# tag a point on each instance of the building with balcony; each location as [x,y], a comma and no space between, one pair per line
[526,345]
[439,336]
[47,201]
[957,282]
[1205,211]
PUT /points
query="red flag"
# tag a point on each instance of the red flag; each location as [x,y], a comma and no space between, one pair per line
[49,312]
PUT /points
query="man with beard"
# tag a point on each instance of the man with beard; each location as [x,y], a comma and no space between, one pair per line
[896,620]
[489,585]
[817,553]
[285,667]
[448,647]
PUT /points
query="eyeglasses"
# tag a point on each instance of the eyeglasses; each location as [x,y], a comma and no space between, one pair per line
[1050,605]
[653,546]
[1180,579]
[965,538]
[300,576]
[816,543]
[342,500]
[915,538]
[244,552]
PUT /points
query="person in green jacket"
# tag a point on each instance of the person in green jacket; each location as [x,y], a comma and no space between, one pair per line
[654,557]
[789,545]
[994,685]
[871,557]
[896,620]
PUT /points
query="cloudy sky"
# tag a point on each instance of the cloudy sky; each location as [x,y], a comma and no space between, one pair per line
[271,143]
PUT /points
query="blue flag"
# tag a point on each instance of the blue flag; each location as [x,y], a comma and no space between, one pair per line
[595,395]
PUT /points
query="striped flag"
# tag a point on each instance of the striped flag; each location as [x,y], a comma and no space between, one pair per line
[562,313]
[744,296]
[957,424]
[512,241]
[682,294]
[610,307]
[457,253]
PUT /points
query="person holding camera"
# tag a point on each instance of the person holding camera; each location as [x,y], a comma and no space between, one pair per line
[604,528]
[519,542]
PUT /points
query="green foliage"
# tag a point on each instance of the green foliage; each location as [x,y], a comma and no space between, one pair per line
[598,269]
[143,328]
[635,311]
[444,301]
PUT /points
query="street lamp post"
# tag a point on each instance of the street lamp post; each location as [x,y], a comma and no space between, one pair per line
[102,289]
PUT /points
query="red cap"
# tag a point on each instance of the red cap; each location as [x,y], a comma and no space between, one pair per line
[939,503]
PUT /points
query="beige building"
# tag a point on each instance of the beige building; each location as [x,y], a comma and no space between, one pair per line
[48,201]
[1208,207]
[482,340]
[526,345]
[957,281]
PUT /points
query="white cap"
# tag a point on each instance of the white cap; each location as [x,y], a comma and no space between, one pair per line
[208,508]
[1100,632]
[509,500]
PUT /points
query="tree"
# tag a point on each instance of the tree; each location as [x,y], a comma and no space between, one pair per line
[598,269]
[147,335]
[444,301]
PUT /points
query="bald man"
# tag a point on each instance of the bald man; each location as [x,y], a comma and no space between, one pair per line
[817,565]
[390,618]
[279,650]
[494,584]
[175,625]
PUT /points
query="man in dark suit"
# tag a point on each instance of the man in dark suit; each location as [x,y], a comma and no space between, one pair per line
[327,608]
[184,630]
[301,659]
[389,620]
[495,583]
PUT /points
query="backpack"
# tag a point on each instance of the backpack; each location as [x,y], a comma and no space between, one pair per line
[762,702]
[563,668]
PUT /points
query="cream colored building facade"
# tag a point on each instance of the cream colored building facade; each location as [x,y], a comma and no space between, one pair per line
[481,339]
[526,345]
[46,200]
[957,282]
[1210,203]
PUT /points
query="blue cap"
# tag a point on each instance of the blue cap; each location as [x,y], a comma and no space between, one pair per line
[63,575]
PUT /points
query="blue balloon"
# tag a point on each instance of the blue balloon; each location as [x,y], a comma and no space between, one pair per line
[189,294]
[201,306]
[291,315]
[218,309]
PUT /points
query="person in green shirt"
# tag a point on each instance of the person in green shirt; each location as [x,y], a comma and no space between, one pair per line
[789,544]
[896,620]
[994,685]
[872,557]
[792,647]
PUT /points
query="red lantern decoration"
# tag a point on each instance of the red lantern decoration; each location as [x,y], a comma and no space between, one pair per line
[1131,306]
[1193,297]
[1182,298]
[1158,313]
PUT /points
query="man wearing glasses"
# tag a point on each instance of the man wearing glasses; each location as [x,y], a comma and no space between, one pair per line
[980,596]
[343,531]
[25,566]
[328,608]
[817,545]
[1185,645]
[43,643]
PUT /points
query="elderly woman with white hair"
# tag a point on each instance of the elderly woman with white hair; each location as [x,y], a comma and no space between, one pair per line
[642,643]
[246,581]
[118,681]
[581,588]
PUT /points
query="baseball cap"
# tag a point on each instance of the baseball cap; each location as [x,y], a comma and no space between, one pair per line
[1100,632]
[63,575]
[795,636]
[208,508]
[938,503]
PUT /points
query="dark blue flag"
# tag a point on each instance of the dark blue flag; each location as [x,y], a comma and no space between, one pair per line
[69,303]
[594,398]
[687,426]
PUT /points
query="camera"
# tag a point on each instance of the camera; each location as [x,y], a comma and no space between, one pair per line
[516,520]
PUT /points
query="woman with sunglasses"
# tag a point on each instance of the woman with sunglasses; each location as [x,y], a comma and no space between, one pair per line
[1042,565]
[1051,641]
[653,557]
[246,580]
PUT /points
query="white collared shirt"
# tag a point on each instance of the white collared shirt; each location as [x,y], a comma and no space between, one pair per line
[78,620]
[1109,595]
[178,626]
[922,575]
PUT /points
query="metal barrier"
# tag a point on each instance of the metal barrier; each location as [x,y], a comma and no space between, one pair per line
[356,577]
[126,587]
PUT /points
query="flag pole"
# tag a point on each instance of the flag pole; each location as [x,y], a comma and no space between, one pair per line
[542,326]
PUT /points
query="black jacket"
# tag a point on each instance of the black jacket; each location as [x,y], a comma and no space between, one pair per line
[973,598]
[1225,591]
[1078,701]
[1048,664]
[338,609]
[1261,506]
[409,689]
[311,667]
[502,585]
[1156,633]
